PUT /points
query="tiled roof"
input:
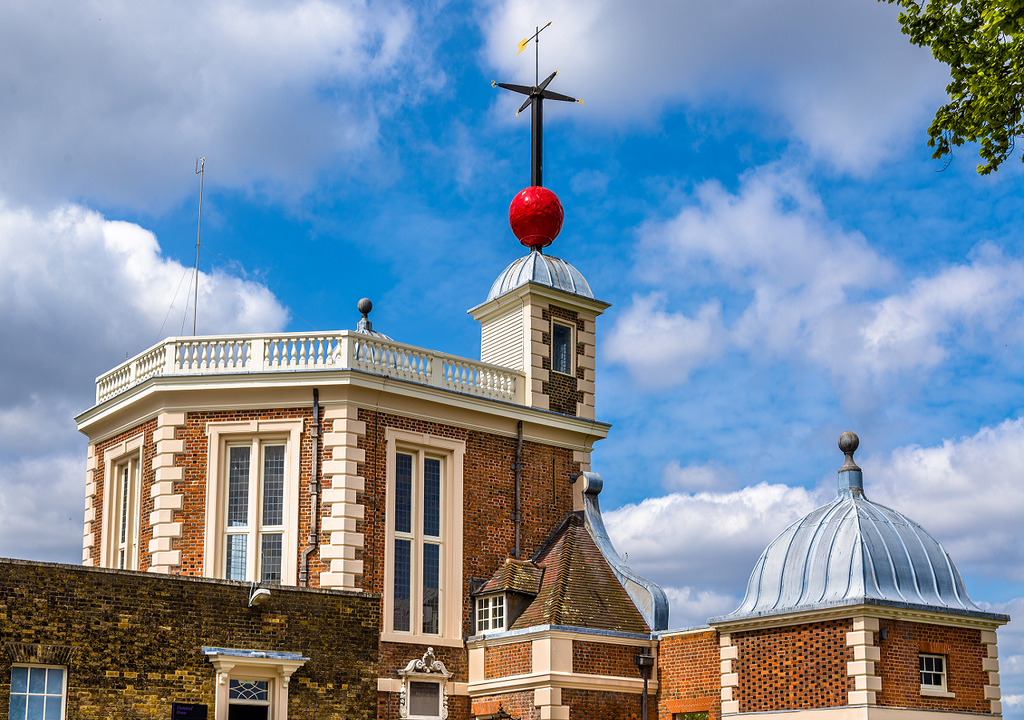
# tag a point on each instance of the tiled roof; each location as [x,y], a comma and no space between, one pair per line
[578,587]
[520,576]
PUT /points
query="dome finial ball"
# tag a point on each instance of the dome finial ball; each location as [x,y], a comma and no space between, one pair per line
[849,442]
[365,306]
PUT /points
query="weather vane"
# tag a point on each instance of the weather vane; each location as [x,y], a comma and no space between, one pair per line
[535,98]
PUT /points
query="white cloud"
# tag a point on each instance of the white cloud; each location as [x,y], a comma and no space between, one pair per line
[662,348]
[77,293]
[801,287]
[695,478]
[689,607]
[708,540]
[966,491]
[841,75]
[113,102]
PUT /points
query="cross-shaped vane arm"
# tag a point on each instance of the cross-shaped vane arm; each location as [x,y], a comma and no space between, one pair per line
[536,95]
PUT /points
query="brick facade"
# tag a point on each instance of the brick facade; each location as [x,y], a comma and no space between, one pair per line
[899,668]
[505,660]
[132,641]
[563,390]
[795,667]
[599,705]
[688,675]
[519,705]
[598,658]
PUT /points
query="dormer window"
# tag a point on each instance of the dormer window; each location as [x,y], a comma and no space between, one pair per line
[490,614]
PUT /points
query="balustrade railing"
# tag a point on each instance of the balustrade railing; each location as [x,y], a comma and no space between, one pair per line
[296,352]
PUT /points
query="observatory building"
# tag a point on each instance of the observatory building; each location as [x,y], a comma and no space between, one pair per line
[342,525]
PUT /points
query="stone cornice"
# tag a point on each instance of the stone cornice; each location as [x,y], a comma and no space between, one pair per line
[851,611]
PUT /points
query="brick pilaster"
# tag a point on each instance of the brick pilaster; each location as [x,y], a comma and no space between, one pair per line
[164,556]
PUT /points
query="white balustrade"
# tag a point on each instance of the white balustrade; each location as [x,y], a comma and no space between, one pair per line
[294,352]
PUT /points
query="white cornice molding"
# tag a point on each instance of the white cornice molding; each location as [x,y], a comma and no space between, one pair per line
[563,680]
[885,612]
[861,712]
[156,388]
[547,633]
[542,292]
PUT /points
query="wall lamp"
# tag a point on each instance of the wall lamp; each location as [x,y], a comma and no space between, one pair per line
[258,595]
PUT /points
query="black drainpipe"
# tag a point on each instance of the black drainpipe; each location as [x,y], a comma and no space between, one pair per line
[517,515]
[314,492]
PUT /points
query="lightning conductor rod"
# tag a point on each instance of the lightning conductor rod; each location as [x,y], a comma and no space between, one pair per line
[200,169]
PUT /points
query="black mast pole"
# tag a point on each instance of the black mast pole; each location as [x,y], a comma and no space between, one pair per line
[537,144]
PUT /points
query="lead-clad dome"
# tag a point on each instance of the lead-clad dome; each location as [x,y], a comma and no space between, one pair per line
[544,270]
[854,551]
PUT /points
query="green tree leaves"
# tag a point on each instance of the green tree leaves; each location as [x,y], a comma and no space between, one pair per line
[982,42]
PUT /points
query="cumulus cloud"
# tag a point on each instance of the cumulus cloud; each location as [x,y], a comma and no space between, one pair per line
[801,287]
[840,76]
[707,540]
[113,102]
[78,293]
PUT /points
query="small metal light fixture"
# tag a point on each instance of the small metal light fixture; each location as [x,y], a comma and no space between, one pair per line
[645,662]
[258,595]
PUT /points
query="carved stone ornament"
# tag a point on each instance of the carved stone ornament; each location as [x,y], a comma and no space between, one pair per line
[426,669]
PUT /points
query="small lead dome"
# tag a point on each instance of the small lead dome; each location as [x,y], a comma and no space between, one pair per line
[854,551]
[543,270]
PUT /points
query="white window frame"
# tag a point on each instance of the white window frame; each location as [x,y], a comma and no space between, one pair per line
[491,601]
[126,454]
[451,454]
[935,690]
[572,347]
[63,690]
[276,671]
[256,434]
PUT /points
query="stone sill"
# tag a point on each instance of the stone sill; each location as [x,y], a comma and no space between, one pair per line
[928,692]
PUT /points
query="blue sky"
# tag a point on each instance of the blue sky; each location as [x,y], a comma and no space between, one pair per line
[747,183]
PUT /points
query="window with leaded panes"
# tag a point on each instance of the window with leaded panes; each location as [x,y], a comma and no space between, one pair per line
[418,547]
[254,524]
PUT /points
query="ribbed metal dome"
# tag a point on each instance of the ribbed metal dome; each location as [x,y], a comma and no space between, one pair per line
[854,551]
[543,270]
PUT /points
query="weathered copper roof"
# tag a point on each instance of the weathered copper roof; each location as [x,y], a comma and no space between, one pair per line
[578,587]
[522,576]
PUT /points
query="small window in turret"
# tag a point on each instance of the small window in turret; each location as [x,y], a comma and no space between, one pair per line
[561,348]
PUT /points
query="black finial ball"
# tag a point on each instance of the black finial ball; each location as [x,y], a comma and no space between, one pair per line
[849,442]
[365,306]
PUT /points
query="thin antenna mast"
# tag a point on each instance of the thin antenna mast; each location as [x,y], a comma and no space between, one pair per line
[200,168]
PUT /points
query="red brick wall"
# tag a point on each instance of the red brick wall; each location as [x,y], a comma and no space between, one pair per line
[789,668]
[562,389]
[505,660]
[146,504]
[598,705]
[900,673]
[519,705]
[488,482]
[597,658]
[193,484]
[689,676]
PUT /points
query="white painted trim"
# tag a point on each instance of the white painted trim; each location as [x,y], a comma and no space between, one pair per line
[926,617]
[278,671]
[258,432]
[861,712]
[127,451]
[563,680]
[480,641]
[453,454]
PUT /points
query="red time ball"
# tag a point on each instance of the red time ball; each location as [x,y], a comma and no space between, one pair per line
[536,216]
